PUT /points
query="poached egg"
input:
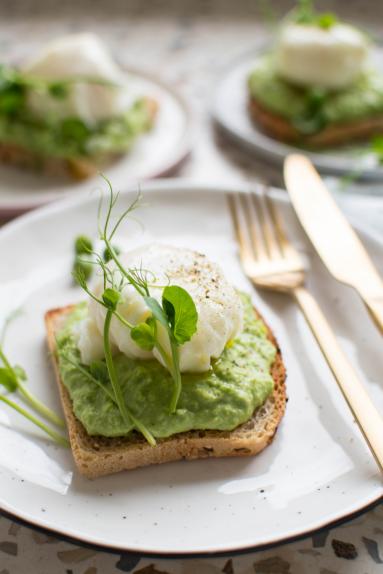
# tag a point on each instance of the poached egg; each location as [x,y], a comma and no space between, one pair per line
[312,56]
[220,312]
[79,56]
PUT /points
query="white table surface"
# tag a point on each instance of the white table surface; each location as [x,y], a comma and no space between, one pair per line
[189,43]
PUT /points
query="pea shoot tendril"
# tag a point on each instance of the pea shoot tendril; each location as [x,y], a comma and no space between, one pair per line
[12,379]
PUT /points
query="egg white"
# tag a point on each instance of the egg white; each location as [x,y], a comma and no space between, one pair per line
[312,56]
[220,312]
[76,56]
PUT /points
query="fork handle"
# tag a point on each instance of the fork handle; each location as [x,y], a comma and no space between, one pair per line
[369,420]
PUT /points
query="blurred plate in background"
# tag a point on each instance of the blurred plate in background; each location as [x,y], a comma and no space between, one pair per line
[230,111]
[154,154]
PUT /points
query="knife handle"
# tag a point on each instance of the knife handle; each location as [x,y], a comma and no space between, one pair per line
[369,420]
[375,308]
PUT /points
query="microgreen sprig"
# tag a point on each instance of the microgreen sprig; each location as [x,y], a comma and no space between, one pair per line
[111,298]
[12,378]
[109,301]
[305,13]
[57,437]
[176,313]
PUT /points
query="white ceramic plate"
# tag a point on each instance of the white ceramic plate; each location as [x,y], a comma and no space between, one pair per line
[229,110]
[318,468]
[153,154]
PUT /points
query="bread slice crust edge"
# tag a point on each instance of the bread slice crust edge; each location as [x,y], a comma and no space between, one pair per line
[97,456]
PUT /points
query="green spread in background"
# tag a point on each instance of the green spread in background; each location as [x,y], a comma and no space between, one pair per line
[223,398]
[71,137]
[361,100]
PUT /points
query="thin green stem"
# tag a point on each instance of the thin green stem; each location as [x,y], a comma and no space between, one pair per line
[174,367]
[123,321]
[121,268]
[172,364]
[43,410]
[33,401]
[126,415]
[86,374]
[142,288]
[5,360]
[58,438]
[112,202]
[111,369]
[176,377]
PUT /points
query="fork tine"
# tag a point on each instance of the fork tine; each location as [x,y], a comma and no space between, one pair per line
[254,227]
[245,247]
[285,246]
[266,224]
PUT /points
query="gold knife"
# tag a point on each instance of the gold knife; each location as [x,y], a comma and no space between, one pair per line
[332,236]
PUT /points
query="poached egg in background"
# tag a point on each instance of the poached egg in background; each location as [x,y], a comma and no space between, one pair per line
[312,56]
[220,312]
[79,56]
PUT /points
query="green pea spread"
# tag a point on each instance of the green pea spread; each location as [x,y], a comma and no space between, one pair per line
[71,137]
[309,110]
[222,398]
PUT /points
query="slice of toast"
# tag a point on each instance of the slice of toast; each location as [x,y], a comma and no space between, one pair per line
[281,129]
[77,168]
[97,456]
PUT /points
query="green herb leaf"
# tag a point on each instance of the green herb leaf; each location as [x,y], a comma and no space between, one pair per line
[83,244]
[313,119]
[82,270]
[11,100]
[144,334]
[111,298]
[8,379]
[107,255]
[58,90]
[157,311]
[99,370]
[309,125]
[181,312]
[75,129]
[83,263]
[376,147]
[326,20]
[305,14]
[315,99]
[20,374]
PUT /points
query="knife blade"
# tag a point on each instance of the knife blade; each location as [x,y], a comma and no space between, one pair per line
[334,239]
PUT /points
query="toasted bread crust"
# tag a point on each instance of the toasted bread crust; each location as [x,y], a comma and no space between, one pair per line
[77,168]
[336,134]
[98,456]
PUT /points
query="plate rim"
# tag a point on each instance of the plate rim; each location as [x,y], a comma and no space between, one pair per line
[181,555]
[181,153]
[183,186]
[276,158]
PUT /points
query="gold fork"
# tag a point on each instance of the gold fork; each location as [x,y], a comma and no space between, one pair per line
[271,262]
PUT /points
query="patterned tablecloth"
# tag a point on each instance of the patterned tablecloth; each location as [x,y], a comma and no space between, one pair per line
[189,43]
